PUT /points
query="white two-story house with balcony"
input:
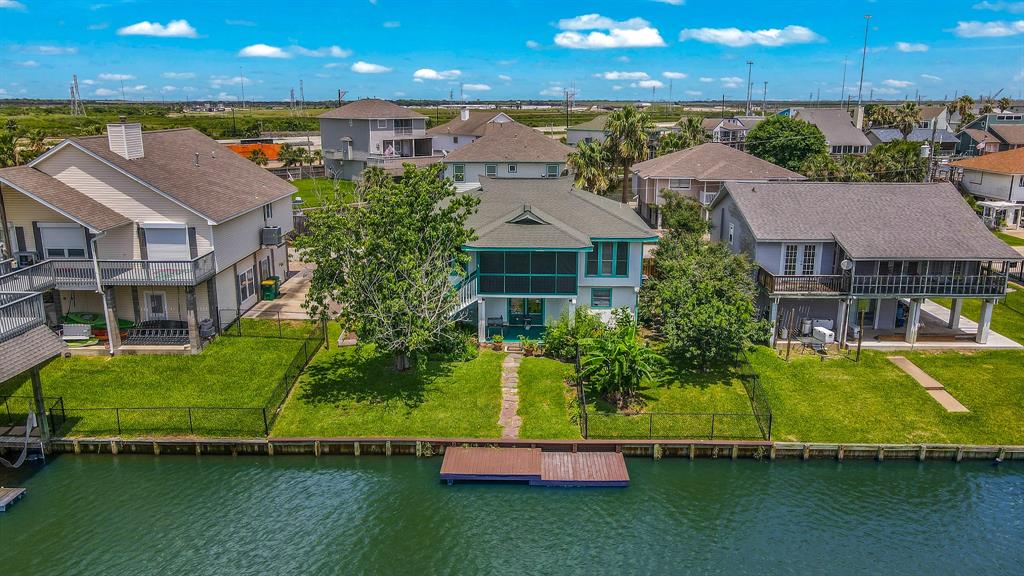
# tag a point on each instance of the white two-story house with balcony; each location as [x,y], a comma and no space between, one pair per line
[373,132]
[507,150]
[860,260]
[543,248]
[464,129]
[164,230]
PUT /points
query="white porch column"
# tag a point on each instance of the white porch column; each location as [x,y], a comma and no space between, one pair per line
[954,313]
[842,322]
[913,319]
[985,322]
[481,321]
[773,317]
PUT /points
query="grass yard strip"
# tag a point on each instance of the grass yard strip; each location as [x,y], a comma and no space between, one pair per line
[353,391]
[230,372]
[1010,239]
[546,402]
[1007,316]
[314,191]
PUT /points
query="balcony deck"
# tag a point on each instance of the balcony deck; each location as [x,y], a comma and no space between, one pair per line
[895,286]
[812,285]
[80,274]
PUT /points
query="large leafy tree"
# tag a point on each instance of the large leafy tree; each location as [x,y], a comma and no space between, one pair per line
[628,134]
[905,118]
[386,261]
[785,141]
[589,164]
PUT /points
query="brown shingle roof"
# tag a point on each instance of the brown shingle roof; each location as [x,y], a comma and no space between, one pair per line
[60,197]
[473,126]
[595,123]
[713,161]
[1009,133]
[835,124]
[511,142]
[28,350]
[871,221]
[371,108]
[978,135]
[1008,162]
[223,186]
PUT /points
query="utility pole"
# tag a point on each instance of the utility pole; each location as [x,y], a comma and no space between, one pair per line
[241,80]
[302,98]
[764,100]
[750,87]
[842,93]
[123,99]
[863,59]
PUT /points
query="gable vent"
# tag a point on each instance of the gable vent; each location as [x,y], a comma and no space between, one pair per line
[125,140]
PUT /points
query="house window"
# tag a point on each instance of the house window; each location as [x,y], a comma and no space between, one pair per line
[679,184]
[732,230]
[459,172]
[789,260]
[600,297]
[61,240]
[381,124]
[807,267]
[527,272]
[167,241]
[246,285]
[608,259]
[1020,181]
[455,139]
[490,170]
[552,170]
[268,211]
[512,168]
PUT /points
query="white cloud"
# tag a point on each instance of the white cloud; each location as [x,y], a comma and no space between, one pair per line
[731,81]
[931,77]
[361,67]
[476,87]
[54,50]
[28,64]
[737,38]
[136,88]
[674,75]
[633,33]
[219,81]
[504,77]
[173,29]
[647,84]
[671,2]
[263,51]
[622,75]
[332,64]
[391,24]
[104,92]
[88,82]
[975,29]
[911,47]
[168,88]
[706,79]
[553,90]
[1011,7]
[431,74]
[179,75]
[99,26]
[332,51]
[693,92]
[532,44]
[11,4]
[116,77]
[897,83]
[616,88]
[3,91]
[399,94]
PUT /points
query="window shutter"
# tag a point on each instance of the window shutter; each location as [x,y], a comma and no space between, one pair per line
[19,238]
[38,236]
[193,249]
[143,251]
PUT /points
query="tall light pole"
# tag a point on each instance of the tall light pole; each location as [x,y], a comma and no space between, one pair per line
[863,58]
[750,87]
[842,93]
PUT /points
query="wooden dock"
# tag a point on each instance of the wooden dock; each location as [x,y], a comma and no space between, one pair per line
[534,467]
[8,496]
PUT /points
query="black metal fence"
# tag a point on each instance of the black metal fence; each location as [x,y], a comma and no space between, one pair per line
[14,411]
[756,393]
[274,326]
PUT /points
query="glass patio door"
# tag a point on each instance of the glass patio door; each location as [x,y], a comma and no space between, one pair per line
[522,311]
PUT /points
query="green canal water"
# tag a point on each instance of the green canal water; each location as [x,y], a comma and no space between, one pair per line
[131,515]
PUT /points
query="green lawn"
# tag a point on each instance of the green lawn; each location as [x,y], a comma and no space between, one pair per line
[1007,317]
[353,391]
[315,191]
[230,372]
[839,400]
[546,404]
[1011,240]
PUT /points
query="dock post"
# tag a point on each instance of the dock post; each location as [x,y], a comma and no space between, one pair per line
[387,448]
[156,448]
[270,448]
[355,448]
[839,452]
[807,452]
[735,451]
[881,454]
[656,451]
[78,447]
[959,453]
[199,449]
[771,452]
[691,450]
[1002,454]
[921,453]
[419,449]
[316,448]
[113,447]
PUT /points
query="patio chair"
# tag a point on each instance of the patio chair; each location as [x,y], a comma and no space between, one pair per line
[496,322]
[75,332]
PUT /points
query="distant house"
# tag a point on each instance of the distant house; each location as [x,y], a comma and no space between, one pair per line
[841,135]
[544,248]
[731,131]
[465,129]
[507,150]
[830,254]
[995,132]
[945,141]
[936,116]
[592,130]
[997,181]
[698,172]
[373,132]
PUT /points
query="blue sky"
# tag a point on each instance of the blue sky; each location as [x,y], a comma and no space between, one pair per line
[504,50]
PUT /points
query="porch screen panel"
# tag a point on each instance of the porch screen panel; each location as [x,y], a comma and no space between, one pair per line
[527,272]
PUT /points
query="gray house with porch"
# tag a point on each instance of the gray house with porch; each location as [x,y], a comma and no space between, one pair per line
[832,254]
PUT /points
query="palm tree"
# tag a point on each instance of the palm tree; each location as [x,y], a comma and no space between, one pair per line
[692,131]
[589,164]
[1005,103]
[879,116]
[963,105]
[258,157]
[671,142]
[318,156]
[627,140]
[905,118]
[987,108]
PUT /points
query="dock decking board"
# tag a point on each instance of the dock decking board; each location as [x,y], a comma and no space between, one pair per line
[8,496]
[535,467]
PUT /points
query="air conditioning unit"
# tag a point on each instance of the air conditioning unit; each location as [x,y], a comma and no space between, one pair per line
[270,236]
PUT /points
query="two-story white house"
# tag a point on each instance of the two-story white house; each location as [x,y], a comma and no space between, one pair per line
[507,150]
[372,132]
[542,248]
[164,230]
[464,129]
[997,182]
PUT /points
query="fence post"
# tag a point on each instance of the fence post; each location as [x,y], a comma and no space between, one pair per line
[191,430]
[712,426]
[280,330]
[266,425]
[327,338]
[305,353]
[117,413]
[650,425]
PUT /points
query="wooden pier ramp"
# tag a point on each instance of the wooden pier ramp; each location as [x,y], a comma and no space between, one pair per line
[534,466]
[8,496]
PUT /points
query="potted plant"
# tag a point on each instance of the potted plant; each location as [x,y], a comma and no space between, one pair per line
[529,346]
[496,343]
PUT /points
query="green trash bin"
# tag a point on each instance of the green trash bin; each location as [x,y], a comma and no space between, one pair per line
[269,289]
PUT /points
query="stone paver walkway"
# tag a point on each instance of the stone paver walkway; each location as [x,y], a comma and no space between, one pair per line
[509,419]
[933,387]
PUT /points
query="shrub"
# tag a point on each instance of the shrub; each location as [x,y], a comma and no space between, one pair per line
[561,338]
